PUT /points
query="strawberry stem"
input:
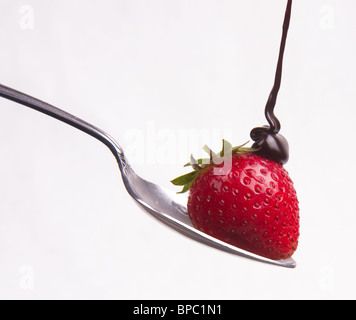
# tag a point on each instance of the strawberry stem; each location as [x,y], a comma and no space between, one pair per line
[200,165]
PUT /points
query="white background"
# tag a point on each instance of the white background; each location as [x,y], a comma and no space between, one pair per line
[155,74]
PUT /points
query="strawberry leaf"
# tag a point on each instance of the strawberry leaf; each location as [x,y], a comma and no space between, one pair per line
[226,149]
[186,187]
[199,162]
[185,179]
[194,163]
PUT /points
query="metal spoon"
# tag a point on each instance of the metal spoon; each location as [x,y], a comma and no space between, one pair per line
[159,203]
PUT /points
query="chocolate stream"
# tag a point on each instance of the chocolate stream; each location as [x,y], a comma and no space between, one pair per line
[271,144]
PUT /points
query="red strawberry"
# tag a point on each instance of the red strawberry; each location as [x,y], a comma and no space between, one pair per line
[250,203]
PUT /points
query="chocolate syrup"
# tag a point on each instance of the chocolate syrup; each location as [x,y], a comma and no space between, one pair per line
[270,143]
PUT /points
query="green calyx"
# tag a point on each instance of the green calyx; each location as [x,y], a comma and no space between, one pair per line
[203,164]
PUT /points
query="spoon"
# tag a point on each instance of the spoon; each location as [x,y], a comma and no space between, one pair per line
[159,203]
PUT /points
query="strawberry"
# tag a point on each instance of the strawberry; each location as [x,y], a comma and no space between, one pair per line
[245,200]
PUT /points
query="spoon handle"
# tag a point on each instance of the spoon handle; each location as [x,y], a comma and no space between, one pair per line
[66,117]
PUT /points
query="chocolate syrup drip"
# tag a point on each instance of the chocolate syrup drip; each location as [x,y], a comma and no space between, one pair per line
[270,143]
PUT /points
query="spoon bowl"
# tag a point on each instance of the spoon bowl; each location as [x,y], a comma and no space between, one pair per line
[161,204]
